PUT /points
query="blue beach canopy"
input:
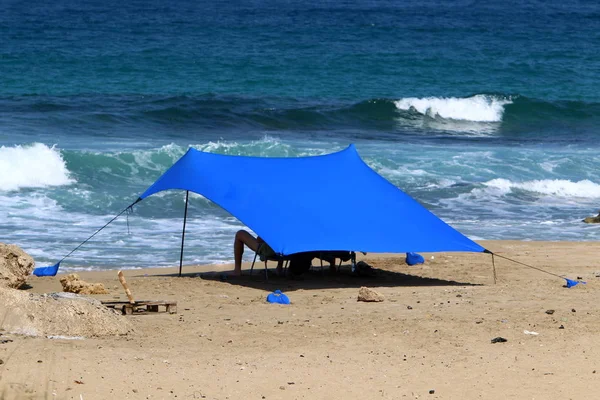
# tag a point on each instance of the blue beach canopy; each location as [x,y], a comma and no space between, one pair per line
[319,203]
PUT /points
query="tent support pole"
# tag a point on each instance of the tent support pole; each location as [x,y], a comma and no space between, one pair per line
[187,195]
[494,268]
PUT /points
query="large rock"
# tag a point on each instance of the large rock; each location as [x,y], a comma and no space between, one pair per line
[15,266]
[72,283]
[58,314]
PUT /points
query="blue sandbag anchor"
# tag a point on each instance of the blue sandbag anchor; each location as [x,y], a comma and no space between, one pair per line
[47,271]
[278,297]
[571,283]
[414,258]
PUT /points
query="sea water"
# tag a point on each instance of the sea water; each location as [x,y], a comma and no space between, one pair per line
[487,114]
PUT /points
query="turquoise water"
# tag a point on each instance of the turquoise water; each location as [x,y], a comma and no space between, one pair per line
[486,114]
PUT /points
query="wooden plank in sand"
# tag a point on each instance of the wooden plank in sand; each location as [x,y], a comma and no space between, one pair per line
[142,306]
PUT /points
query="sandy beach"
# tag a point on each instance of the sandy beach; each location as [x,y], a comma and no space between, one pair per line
[431,338]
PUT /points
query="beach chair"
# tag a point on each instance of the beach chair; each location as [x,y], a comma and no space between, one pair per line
[330,256]
[266,254]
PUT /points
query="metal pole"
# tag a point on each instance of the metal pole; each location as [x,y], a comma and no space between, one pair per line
[187,194]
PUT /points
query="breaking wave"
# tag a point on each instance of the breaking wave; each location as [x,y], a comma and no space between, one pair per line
[478,108]
[32,166]
[548,187]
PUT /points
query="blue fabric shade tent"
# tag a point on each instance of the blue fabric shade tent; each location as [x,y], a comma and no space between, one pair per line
[334,202]
[329,202]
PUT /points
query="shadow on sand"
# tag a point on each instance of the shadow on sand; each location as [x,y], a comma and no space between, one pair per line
[320,279]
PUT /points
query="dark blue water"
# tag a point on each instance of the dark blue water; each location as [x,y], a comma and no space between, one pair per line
[310,50]
[486,113]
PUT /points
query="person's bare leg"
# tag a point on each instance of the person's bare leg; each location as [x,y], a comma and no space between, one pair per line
[242,238]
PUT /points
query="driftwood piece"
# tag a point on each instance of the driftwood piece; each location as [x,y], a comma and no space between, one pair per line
[126,287]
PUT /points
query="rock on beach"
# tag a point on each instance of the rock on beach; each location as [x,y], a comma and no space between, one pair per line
[72,283]
[369,295]
[15,266]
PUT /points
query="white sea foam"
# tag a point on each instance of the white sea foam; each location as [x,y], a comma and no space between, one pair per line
[266,146]
[146,158]
[32,166]
[159,159]
[551,187]
[478,108]
[400,171]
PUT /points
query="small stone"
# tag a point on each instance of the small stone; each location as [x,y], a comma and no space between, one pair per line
[282,387]
[499,340]
[134,390]
[573,310]
[549,312]
[459,295]
[2,362]
[561,327]
[291,383]
[40,361]
[431,391]
[409,307]
[369,295]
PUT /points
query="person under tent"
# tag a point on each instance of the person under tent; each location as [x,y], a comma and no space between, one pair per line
[244,238]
